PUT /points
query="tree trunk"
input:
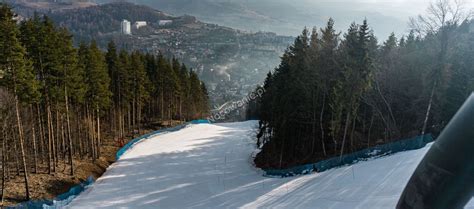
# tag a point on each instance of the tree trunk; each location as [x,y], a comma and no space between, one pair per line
[7,157]
[313,124]
[180,109]
[98,134]
[17,161]
[428,110]
[121,124]
[352,132]
[91,127]
[33,133]
[321,117]
[22,148]
[162,105]
[170,105]
[80,135]
[50,145]
[389,108]
[346,126]
[139,117]
[129,121]
[68,132]
[4,163]
[63,140]
[41,132]
[134,115]
[333,136]
[35,152]
[370,130]
[56,145]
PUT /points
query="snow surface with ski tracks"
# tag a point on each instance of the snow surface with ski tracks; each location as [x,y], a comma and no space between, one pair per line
[210,166]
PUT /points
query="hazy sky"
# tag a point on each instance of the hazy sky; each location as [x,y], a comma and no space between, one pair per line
[399,8]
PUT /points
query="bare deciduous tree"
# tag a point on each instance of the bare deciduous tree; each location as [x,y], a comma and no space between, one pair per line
[441,13]
[439,16]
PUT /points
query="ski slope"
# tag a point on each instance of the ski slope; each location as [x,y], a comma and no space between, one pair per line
[210,166]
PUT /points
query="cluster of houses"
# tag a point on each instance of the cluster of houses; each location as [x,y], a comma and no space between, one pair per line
[126,26]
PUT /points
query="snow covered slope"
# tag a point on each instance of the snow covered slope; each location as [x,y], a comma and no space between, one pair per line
[210,166]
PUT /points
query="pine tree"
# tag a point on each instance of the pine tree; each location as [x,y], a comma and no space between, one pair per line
[18,75]
[178,92]
[71,81]
[40,38]
[204,110]
[140,84]
[112,66]
[124,90]
[328,71]
[160,83]
[186,91]
[113,70]
[390,44]
[357,74]
[195,86]
[171,88]
[99,95]
[152,74]
[98,79]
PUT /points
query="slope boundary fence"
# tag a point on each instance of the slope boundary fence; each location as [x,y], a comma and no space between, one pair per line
[64,199]
[352,158]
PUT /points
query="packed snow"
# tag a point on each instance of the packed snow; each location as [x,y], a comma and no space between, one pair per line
[210,166]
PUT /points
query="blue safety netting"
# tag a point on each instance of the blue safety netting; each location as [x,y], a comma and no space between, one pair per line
[199,121]
[152,134]
[60,200]
[348,159]
[64,199]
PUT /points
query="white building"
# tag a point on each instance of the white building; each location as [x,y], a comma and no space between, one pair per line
[165,22]
[126,28]
[139,24]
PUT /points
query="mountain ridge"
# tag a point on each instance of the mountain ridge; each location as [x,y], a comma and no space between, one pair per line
[282,17]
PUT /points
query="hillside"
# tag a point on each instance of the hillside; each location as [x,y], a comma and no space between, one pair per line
[231,62]
[288,17]
[97,21]
[28,6]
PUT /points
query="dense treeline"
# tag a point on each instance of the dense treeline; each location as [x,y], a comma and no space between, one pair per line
[333,95]
[57,101]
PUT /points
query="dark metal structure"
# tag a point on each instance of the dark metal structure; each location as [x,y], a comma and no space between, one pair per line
[445,177]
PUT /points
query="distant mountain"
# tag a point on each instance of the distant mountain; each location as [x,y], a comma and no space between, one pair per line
[96,21]
[286,17]
[53,4]
[231,62]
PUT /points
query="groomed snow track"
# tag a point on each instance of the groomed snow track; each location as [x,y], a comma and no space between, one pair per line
[210,166]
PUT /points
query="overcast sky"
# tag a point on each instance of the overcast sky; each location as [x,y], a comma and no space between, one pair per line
[398,8]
